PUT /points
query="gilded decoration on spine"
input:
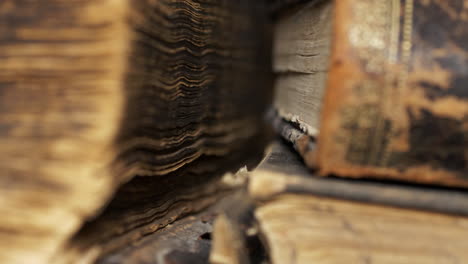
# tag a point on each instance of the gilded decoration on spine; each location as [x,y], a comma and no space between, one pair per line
[380,36]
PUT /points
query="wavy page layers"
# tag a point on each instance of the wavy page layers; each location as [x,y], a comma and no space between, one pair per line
[95,92]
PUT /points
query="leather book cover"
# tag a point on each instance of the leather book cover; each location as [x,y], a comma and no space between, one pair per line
[396,102]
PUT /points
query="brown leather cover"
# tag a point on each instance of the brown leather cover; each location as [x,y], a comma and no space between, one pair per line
[396,104]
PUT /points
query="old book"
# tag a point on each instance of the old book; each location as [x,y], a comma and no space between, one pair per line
[381,85]
[302,218]
[95,92]
[144,208]
[301,52]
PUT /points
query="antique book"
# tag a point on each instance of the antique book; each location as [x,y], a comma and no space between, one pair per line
[380,86]
[96,92]
[299,217]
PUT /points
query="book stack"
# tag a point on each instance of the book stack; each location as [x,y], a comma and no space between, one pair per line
[122,122]
[386,94]
[371,105]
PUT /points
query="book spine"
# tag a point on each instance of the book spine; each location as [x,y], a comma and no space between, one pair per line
[396,104]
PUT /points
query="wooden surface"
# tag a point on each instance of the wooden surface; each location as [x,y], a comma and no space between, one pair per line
[94,93]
